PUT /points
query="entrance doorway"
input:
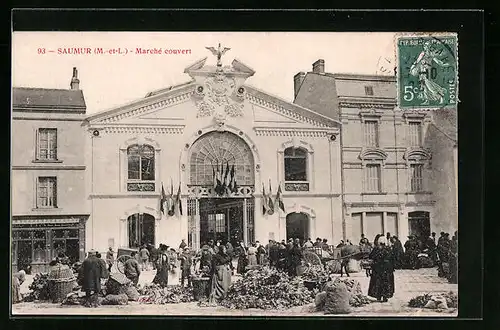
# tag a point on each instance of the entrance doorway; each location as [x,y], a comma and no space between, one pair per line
[419,224]
[141,230]
[297,226]
[221,219]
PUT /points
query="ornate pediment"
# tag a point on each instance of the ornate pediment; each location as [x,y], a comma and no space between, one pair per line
[417,154]
[372,154]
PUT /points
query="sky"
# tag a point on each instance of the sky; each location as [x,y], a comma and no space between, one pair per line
[111,80]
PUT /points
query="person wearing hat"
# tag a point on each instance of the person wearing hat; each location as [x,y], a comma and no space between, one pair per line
[308,244]
[91,273]
[132,270]
[381,284]
[398,252]
[294,258]
[186,262]
[162,267]
[242,259]
[318,242]
[411,252]
[110,258]
[17,279]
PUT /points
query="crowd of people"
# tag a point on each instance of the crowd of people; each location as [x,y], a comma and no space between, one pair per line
[217,260]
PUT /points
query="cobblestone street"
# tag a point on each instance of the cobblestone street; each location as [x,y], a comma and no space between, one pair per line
[409,283]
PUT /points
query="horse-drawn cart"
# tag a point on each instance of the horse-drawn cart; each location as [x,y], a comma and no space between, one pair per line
[122,256]
[335,258]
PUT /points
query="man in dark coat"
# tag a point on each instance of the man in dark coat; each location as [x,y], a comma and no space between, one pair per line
[453,259]
[132,270]
[91,282]
[443,251]
[318,242]
[295,258]
[273,250]
[153,255]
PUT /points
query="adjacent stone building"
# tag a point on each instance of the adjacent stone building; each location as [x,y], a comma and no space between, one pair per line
[48,202]
[398,167]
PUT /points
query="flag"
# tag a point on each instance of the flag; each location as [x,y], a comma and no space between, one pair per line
[178,199]
[214,178]
[225,182]
[264,200]
[163,199]
[217,180]
[232,180]
[279,199]
[170,201]
[270,199]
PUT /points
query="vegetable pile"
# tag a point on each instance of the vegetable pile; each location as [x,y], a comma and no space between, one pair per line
[315,274]
[172,294]
[39,288]
[357,299]
[422,300]
[268,289]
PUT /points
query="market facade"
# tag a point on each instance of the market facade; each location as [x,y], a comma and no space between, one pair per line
[184,138]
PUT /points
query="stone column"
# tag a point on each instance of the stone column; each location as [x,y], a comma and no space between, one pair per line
[245,224]
[403,228]
[384,223]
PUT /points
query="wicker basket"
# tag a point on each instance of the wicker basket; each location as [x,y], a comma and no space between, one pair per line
[200,287]
[61,282]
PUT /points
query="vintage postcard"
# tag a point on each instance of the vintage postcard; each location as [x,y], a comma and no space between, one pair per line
[427,71]
[234,174]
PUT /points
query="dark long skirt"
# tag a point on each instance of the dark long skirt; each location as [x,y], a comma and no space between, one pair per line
[453,273]
[381,284]
[242,263]
[221,280]
[161,277]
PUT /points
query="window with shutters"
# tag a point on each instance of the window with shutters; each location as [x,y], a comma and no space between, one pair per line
[372,178]
[415,133]
[416,177]
[140,168]
[371,133]
[46,144]
[46,192]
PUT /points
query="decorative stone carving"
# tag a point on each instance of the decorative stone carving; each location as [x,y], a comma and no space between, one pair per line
[208,191]
[296,186]
[217,97]
[140,186]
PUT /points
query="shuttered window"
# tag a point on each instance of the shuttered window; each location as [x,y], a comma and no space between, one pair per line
[416,177]
[371,133]
[415,133]
[372,178]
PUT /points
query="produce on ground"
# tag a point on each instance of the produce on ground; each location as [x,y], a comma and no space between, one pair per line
[39,288]
[315,273]
[422,300]
[268,289]
[337,298]
[172,294]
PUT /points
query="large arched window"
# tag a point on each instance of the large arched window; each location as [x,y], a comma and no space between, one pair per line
[212,152]
[295,164]
[140,168]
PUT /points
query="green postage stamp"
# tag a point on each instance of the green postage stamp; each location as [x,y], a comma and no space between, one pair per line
[427,71]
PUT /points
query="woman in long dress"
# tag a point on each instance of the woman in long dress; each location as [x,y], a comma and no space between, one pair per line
[17,279]
[221,274]
[252,255]
[162,267]
[382,274]
[242,259]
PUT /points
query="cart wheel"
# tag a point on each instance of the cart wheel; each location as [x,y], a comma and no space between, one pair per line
[120,263]
[311,258]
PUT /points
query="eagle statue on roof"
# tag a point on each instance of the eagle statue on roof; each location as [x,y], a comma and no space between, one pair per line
[218,52]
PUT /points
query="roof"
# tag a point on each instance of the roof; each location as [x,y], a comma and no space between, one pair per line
[42,99]
[318,93]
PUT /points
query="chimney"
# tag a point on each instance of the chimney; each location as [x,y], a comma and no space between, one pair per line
[297,81]
[74,80]
[319,66]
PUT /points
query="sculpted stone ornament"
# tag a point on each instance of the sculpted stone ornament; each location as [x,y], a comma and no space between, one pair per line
[216,96]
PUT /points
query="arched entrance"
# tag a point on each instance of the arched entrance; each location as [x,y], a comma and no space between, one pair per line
[419,223]
[297,226]
[221,183]
[141,229]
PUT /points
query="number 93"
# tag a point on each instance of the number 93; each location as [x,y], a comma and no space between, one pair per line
[409,93]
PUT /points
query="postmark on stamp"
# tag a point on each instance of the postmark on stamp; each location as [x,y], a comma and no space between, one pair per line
[427,71]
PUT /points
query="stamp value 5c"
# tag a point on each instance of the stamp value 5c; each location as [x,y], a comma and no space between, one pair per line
[427,71]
